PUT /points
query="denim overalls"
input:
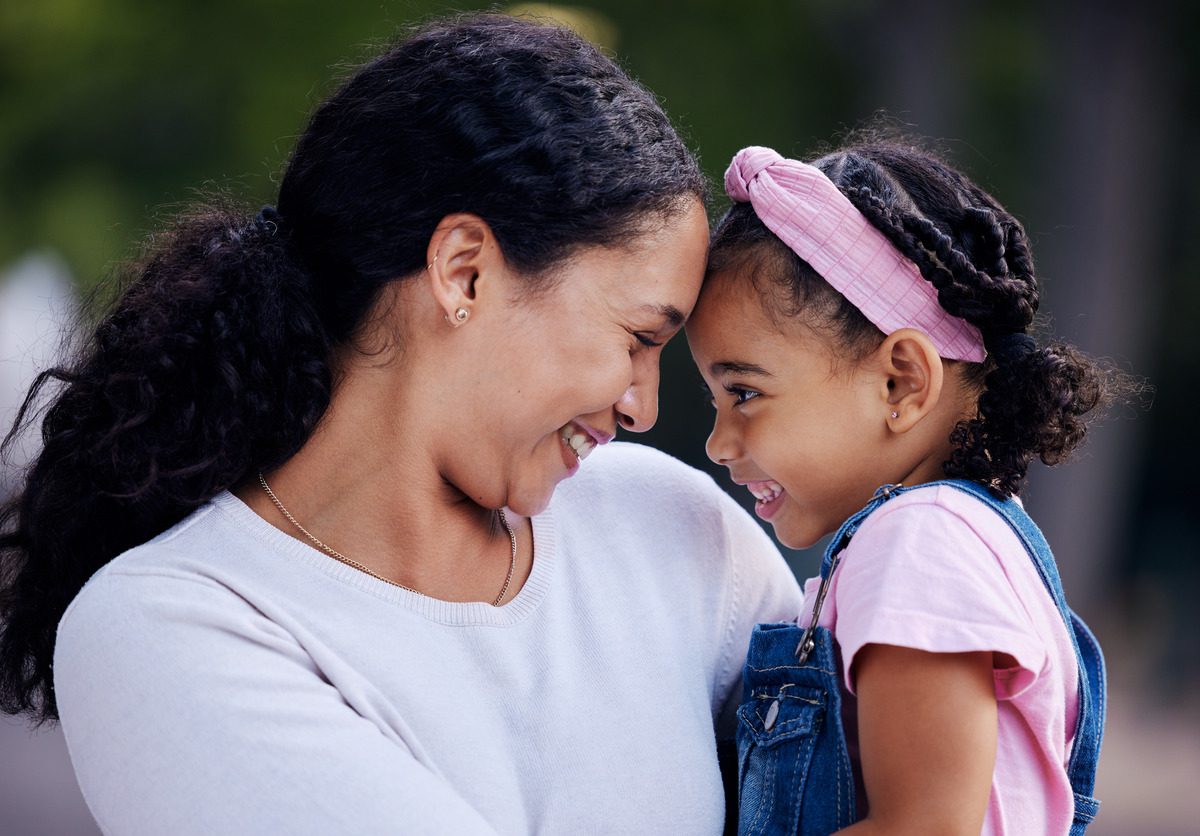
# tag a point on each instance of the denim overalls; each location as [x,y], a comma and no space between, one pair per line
[794,771]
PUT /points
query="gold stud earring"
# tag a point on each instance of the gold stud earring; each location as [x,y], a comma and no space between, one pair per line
[461,315]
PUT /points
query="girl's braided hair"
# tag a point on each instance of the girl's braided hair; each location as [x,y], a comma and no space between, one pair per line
[1033,397]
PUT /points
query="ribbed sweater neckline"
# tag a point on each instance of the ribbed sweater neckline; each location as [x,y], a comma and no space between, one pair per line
[434,609]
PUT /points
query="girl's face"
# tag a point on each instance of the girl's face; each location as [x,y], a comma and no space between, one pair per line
[555,373]
[800,427]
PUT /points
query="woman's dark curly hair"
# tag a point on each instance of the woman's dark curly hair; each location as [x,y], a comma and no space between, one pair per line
[215,362]
[1033,398]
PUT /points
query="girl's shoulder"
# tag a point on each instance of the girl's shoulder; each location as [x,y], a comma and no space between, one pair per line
[943,514]
[938,569]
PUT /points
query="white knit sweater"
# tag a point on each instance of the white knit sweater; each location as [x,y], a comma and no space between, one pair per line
[226,678]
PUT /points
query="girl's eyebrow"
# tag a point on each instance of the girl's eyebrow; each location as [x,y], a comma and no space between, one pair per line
[735,367]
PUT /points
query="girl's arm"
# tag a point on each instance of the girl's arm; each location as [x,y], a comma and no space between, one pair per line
[927,740]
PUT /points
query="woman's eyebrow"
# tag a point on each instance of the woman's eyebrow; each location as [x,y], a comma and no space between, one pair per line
[735,367]
[671,314]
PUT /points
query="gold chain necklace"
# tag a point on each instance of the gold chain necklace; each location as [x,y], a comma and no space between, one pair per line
[336,555]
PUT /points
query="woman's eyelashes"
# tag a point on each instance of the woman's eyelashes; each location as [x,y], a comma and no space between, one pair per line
[646,340]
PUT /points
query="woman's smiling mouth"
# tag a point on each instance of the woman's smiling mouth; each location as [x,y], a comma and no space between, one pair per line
[580,440]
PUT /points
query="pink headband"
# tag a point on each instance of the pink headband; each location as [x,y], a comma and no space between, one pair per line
[802,206]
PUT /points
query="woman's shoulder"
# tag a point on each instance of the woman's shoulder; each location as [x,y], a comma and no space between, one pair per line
[644,477]
[650,509]
[656,498]
[190,553]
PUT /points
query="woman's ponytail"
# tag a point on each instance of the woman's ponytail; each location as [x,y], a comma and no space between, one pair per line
[215,363]
[211,365]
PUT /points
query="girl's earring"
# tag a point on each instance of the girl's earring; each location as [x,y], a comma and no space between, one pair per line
[895,414]
[460,316]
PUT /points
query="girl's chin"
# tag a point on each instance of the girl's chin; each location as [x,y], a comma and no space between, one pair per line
[797,543]
[795,536]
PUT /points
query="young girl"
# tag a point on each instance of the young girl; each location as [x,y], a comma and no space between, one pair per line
[863,332]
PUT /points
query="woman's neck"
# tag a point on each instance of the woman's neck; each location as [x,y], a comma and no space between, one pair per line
[366,484]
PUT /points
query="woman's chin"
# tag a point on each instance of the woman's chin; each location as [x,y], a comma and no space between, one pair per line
[529,501]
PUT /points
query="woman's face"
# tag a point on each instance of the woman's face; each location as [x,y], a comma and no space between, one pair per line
[556,372]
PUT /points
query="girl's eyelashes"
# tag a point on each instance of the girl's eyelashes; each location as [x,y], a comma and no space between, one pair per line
[741,395]
[646,341]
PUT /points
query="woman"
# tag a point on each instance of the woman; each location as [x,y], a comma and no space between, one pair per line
[314,461]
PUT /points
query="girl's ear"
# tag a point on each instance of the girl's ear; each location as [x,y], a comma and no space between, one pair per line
[913,377]
[461,250]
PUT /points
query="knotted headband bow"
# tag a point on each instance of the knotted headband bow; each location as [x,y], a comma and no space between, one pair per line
[802,206]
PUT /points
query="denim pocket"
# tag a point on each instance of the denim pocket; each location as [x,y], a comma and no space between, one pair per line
[776,734]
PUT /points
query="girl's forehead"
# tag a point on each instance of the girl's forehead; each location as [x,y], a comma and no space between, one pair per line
[733,304]
[724,306]
[731,325]
[727,291]
[729,317]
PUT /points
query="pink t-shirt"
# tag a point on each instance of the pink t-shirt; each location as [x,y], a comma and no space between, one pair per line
[937,570]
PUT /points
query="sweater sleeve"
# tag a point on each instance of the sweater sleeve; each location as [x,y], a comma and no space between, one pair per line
[760,588]
[187,711]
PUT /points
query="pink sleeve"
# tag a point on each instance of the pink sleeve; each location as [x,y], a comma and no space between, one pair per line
[919,575]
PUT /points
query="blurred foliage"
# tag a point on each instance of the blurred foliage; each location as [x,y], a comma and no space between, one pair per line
[114,110]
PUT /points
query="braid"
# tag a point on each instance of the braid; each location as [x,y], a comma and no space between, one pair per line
[885,218]
[1033,400]
[991,239]
[943,263]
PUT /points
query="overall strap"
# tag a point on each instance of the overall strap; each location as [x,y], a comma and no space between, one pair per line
[1089,724]
[841,537]
[833,551]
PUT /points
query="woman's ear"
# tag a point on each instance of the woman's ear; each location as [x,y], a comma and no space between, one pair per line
[913,378]
[461,250]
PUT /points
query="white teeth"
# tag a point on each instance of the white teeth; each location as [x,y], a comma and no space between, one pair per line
[765,491]
[581,444]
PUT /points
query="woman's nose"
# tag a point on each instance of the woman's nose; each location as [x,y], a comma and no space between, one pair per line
[637,409]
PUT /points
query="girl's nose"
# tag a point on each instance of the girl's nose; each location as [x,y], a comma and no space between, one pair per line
[721,446]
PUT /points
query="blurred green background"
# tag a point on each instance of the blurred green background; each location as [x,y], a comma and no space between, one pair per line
[1081,117]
